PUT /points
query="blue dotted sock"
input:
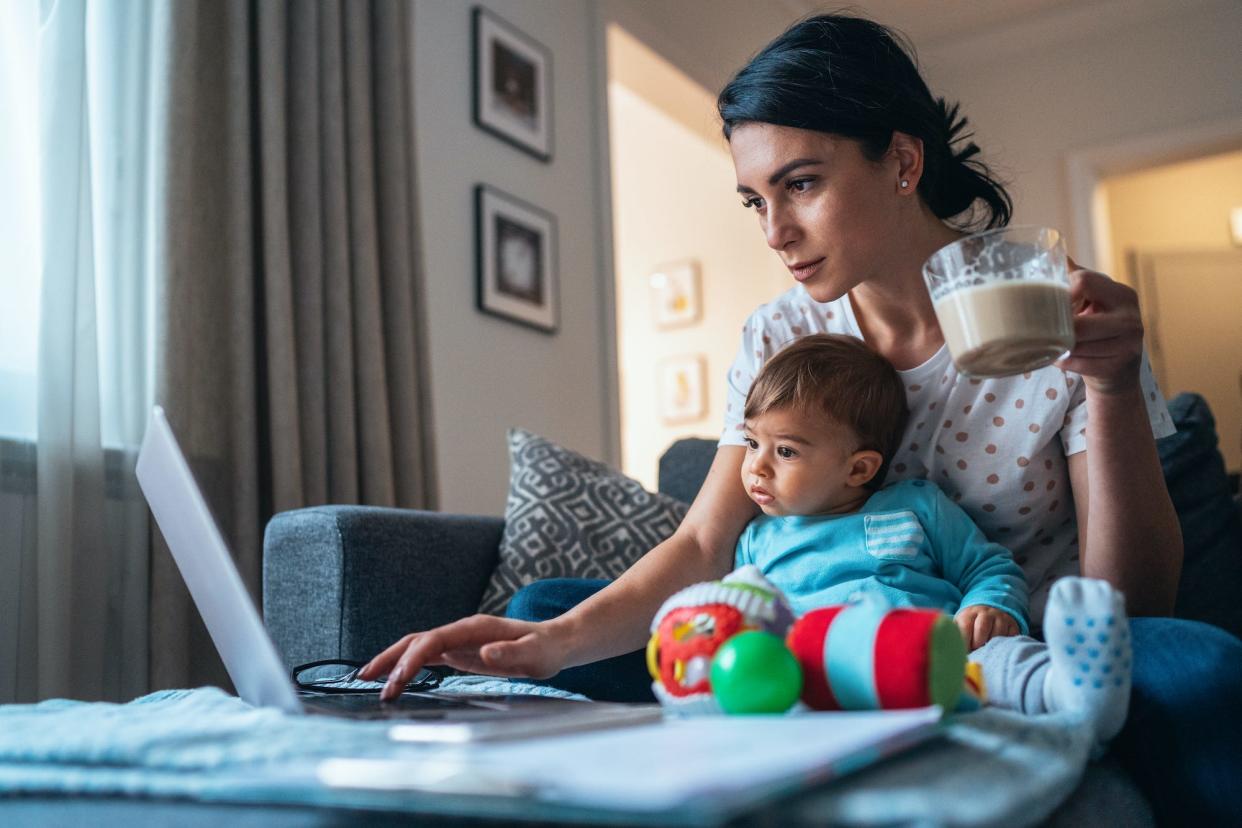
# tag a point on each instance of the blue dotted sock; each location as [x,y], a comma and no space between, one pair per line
[1089,649]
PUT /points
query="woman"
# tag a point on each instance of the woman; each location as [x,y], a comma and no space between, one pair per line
[857,175]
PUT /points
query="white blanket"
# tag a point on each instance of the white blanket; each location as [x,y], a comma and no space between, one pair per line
[994,767]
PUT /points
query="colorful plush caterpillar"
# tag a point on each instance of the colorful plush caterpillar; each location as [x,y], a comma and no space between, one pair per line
[870,656]
[717,647]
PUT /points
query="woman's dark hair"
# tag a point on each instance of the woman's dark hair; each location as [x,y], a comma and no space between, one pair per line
[854,77]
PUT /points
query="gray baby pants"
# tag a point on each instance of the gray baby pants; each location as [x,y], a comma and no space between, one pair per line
[1015,668]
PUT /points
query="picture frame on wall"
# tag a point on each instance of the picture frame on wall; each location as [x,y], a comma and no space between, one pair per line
[512,85]
[675,296]
[515,260]
[683,389]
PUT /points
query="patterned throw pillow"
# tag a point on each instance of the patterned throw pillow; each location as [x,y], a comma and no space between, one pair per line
[571,517]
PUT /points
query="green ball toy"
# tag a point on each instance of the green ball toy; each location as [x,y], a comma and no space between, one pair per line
[754,672]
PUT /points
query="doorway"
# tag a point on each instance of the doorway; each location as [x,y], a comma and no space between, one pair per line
[690,263]
[1171,237]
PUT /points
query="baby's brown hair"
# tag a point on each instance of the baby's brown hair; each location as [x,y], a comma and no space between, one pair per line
[843,378]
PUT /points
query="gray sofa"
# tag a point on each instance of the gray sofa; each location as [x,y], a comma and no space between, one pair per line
[346,581]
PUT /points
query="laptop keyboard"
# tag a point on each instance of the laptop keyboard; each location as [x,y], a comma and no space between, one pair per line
[430,706]
[359,685]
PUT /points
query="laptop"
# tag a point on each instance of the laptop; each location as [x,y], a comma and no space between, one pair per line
[251,659]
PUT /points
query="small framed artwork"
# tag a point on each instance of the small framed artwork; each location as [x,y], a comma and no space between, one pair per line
[512,85]
[682,389]
[515,259]
[675,300]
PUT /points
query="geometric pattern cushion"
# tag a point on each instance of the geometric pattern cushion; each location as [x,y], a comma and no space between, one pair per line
[568,516]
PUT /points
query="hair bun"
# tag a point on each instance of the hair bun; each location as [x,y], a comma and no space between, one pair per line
[961,179]
[954,130]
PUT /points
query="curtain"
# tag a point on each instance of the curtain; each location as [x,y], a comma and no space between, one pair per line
[74,532]
[228,229]
[289,347]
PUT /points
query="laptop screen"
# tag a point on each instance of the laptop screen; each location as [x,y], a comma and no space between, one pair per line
[209,572]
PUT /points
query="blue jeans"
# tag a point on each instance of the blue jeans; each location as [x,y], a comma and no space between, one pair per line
[1182,742]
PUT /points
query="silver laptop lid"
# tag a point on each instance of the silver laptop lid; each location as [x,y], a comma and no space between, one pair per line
[208,570]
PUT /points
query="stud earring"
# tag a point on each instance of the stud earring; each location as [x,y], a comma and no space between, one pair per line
[904,183]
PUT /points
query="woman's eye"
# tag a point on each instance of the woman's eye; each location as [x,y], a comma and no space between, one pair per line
[786,452]
[799,184]
[751,444]
[752,203]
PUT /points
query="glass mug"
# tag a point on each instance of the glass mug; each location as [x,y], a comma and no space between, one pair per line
[1002,299]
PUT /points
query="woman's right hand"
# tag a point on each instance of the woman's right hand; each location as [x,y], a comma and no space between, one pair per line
[483,644]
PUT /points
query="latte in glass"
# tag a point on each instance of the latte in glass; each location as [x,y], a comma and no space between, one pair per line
[1002,300]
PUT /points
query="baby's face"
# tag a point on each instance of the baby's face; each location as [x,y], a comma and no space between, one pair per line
[799,465]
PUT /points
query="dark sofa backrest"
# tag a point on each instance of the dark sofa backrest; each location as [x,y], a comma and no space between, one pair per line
[683,467]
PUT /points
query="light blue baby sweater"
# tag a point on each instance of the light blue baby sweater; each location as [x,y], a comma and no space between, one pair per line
[909,544]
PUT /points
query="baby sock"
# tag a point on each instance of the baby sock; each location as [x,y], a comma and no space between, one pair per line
[1089,650]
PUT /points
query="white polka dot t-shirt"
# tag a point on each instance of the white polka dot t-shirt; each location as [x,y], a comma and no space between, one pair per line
[997,447]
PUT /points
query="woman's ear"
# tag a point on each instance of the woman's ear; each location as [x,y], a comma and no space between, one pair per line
[907,151]
[864,465]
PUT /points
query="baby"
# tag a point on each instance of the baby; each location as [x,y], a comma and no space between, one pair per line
[822,421]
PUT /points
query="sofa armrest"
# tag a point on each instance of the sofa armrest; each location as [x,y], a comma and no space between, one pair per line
[346,581]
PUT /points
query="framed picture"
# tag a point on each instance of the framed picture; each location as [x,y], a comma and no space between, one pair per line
[675,295]
[682,389]
[512,85]
[515,259]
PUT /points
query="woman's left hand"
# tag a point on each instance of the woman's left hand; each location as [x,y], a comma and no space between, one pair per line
[1108,332]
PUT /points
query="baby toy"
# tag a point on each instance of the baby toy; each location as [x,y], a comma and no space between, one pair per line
[733,646]
[692,625]
[871,656]
[754,672]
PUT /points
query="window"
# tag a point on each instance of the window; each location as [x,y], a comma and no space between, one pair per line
[20,219]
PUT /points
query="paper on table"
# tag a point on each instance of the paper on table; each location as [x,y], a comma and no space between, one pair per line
[718,763]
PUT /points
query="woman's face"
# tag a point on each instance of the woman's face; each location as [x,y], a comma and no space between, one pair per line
[821,204]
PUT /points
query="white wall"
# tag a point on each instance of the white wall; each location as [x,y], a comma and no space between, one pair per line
[709,40]
[1073,88]
[487,374]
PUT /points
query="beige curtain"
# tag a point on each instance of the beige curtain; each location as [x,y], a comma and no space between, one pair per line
[288,349]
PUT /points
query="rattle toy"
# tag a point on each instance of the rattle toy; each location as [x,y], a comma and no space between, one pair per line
[871,656]
[694,623]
